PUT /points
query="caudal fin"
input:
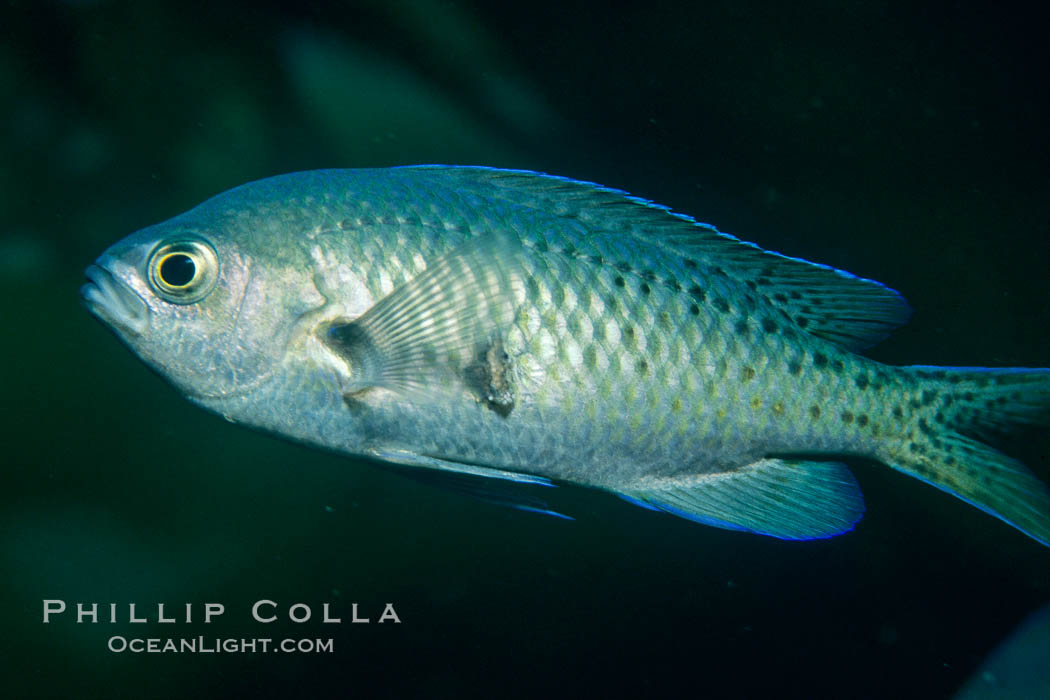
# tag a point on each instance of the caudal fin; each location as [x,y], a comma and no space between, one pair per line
[949,415]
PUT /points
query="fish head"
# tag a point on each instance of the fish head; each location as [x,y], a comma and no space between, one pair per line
[196,304]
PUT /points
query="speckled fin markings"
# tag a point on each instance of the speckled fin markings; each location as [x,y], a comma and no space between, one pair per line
[789,499]
[417,338]
[966,404]
[833,304]
[496,486]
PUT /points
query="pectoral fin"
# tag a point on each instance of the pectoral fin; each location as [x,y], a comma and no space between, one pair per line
[787,499]
[424,335]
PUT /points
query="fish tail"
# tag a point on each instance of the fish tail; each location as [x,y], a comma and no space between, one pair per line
[947,416]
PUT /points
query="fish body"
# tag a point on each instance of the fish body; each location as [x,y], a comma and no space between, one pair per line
[504,330]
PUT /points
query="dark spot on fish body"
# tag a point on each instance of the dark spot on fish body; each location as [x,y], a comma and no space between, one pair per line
[924,427]
[720,272]
[764,282]
[742,328]
[968,396]
[574,326]
[642,366]
[939,417]
[862,420]
[691,264]
[862,381]
[927,397]
[673,285]
[722,305]
[590,357]
[769,326]
[795,367]
[814,411]
[623,267]
[920,468]
[619,281]
[820,360]
[598,332]
[780,297]
[694,309]
[354,402]
[847,417]
[751,285]
[541,245]
[597,260]
[747,374]
[898,412]
[697,293]
[488,377]
[645,288]
[802,321]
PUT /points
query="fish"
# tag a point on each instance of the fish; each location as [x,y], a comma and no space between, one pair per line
[503,332]
[1018,668]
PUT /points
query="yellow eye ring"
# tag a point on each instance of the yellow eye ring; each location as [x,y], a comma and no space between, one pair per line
[183,272]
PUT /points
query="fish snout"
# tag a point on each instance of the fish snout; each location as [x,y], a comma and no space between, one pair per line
[110,299]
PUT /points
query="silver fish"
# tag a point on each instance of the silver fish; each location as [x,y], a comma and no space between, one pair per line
[500,331]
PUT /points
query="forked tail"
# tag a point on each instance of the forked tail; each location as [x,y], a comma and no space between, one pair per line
[947,418]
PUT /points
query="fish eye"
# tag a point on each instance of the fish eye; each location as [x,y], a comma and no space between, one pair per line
[183,272]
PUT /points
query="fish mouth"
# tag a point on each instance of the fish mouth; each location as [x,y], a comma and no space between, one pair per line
[112,300]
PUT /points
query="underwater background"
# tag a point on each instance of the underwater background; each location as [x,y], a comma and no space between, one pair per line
[904,142]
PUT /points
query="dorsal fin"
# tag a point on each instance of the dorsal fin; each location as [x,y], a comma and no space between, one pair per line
[836,305]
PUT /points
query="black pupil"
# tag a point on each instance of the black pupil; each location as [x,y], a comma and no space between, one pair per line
[177,270]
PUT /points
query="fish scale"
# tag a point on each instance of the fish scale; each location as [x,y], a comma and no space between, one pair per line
[499,331]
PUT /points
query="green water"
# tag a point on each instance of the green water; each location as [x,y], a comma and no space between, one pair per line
[906,145]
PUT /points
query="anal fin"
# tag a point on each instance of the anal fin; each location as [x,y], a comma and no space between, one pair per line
[783,498]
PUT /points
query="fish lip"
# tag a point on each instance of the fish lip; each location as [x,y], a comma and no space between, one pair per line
[112,300]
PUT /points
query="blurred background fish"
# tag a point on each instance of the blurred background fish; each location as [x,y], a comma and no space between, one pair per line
[1017,669]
